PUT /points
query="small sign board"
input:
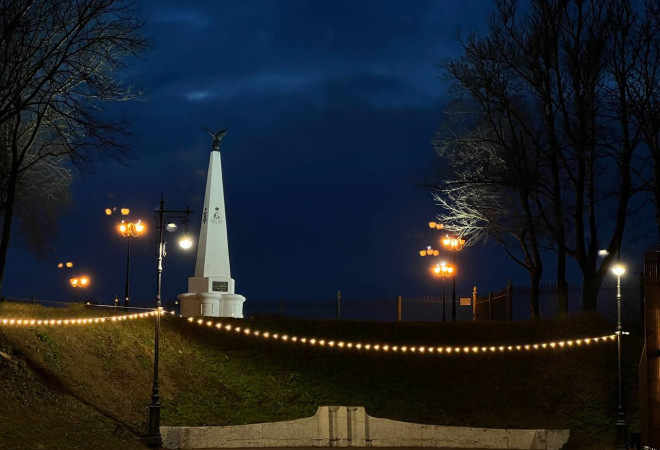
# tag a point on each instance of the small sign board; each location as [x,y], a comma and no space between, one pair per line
[220,286]
[466,301]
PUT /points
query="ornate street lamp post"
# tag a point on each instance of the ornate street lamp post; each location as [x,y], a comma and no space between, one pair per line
[443,270]
[454,245]
[78,282]
[429,252]
[67,264]
[621,426]
[129,230]
[154,438]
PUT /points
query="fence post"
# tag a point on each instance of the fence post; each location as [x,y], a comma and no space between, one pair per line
[509,300]
[474,304]
[398,309]
[338,305]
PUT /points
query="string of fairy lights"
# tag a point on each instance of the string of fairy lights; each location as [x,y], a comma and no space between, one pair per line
[386,348]
[324,342]
[77,320]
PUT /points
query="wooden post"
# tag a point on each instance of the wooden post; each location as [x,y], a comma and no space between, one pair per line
[474,304]
[398,309]
[338,305]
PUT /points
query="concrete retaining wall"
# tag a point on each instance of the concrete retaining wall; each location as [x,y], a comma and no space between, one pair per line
[350,426]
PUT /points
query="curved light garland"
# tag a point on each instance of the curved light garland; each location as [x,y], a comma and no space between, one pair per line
[386,348]
[329,343]
[76,321]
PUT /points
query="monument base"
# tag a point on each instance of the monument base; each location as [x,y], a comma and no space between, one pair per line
[211,304]
[220,285]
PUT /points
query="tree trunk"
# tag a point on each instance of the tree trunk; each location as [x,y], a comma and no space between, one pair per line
[590,294]
[562,285]
[7,216]
[534,289]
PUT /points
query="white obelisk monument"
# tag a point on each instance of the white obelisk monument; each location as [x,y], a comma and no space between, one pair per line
[211,290]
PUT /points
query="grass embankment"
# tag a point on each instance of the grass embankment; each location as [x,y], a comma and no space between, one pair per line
[89,386]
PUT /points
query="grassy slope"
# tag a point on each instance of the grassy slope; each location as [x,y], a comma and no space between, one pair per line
[84,387]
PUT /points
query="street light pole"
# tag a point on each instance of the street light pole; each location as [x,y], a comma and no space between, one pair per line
[453,294]
[453,244]
[78,282]
[129,230]
[621,426]
[154,438]
[443,270]
[444,301]
[128,269]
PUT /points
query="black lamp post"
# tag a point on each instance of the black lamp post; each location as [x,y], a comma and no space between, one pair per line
[453,244]
[444,270]
[621,426]
[154,438]
[78,282]
[129,230]
[444,300]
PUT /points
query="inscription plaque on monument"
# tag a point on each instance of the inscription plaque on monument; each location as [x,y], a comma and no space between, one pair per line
[220,286]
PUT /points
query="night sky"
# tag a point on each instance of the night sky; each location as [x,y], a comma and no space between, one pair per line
[331,109]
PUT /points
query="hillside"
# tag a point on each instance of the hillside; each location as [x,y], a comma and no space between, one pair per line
[88,386]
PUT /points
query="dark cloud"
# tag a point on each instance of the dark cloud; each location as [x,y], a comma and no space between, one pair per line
[331,107]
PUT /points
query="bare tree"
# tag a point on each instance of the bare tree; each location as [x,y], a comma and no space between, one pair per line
[643,90]
[489,193]
[59,60]
[566,66]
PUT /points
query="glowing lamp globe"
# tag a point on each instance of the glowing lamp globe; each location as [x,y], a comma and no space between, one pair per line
[618,269]
[185,242]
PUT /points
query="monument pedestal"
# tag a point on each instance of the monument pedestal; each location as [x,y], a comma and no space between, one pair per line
[211,304]
[211,296]
[221,285]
